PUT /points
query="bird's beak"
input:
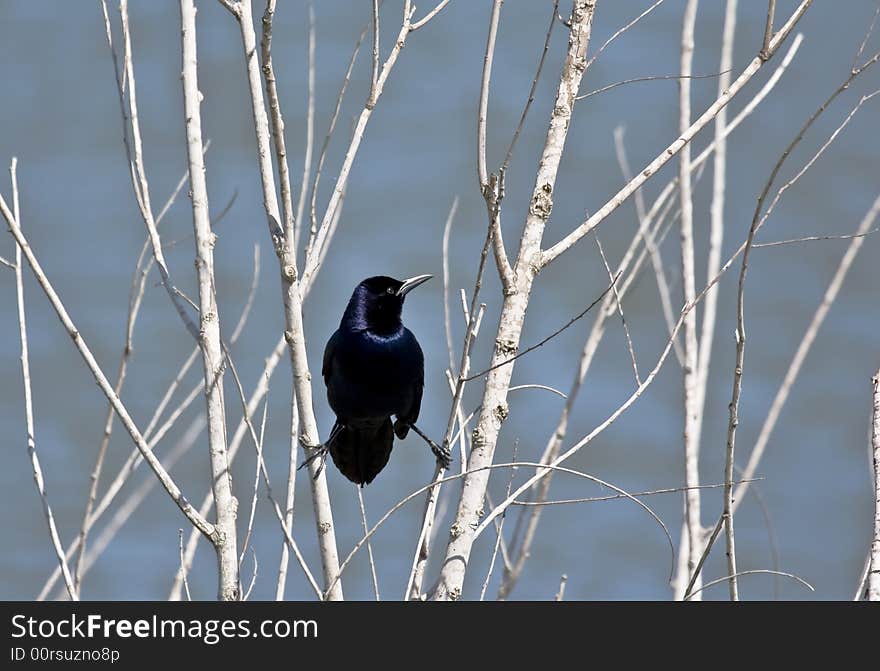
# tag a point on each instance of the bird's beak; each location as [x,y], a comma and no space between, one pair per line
[412,283]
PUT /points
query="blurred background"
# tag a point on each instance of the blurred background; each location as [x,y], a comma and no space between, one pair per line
[60,116]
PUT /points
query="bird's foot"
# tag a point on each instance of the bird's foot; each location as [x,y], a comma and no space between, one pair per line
[318,451]
[443,454]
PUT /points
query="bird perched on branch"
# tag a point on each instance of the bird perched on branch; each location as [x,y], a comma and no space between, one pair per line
[374,368]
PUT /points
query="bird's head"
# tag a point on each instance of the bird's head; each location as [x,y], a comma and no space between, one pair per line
[377,302]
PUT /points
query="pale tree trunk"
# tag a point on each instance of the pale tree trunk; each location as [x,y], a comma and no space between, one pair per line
[693,543]
[494,406]
[209,332]
[874,573]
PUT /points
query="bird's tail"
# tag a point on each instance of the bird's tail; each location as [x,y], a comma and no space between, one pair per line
[360,452]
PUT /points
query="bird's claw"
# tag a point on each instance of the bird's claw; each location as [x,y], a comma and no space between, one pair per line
[319,451]
[443,454]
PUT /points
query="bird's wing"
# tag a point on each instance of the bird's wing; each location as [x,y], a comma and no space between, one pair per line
[329,351]
[411,414]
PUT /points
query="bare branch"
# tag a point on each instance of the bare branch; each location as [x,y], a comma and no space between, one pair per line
[261,389]
[621,31]
[768,30]
[136,163]
[292,296]
[447,322]
[182,568]
[136,294]
[316,242]
[873,580]
[360,494]
[617,301]
[833,288]
[310,128]
[487,521]
[499,527]
[651,78]
[171,487]
[233,6]
[650,244]
[225,503]
[277,120]
[375,78]
[430,15]
[561,593]
[549,255]
[813,238]
[313,226]
[550,337]
[531,98]
[72,588]
[483,111]
[614,497]
[692,424]
[753,572]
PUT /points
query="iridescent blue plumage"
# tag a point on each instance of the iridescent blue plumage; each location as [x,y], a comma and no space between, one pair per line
[373,368]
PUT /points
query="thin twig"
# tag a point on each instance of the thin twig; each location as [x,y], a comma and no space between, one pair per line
[531,98]
[288,506]
[833,287]
[375,77]
[447,322]
[360,494]
[621,31]
[552,253]
[487,521]
[753,572]
[134,459]
[499,528]
[313,222]
[430,15]
[812,238]
[310,125]
[483,109]
[617,301]
[651,78]
[697,570]
[873,591]
[571,321]
[716,236]
[650,243]
[72,589]
[768,29]
[560,594]
[277,119]
[182,569]
[139,180]
[247,594]
[261,468]
[136,294]
[253,509]
[420,559]
[168,483]
[241,430]
[317,241]
[613,497]
[292,288]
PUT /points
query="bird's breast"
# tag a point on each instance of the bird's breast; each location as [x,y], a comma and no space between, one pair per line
[373,374]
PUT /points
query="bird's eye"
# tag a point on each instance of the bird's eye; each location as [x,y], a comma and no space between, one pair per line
[389,290]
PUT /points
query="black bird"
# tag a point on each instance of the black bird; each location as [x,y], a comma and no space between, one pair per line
[374,368]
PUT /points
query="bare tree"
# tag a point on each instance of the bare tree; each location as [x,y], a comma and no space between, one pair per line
[301,236]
